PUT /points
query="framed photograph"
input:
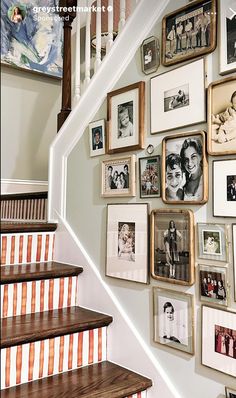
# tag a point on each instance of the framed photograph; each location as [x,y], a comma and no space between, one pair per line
[125,115]
[227,36]
[213,284]
[189,32]
[185,168]
[224,188]
[173,319]
[127,242]
[172,246]
[32,40]
[150,55]
[97,137]
[230,393]
[219,339]
[222,117]
[212,242]
[178,97]
[234,256]
[118,176]
[150,177]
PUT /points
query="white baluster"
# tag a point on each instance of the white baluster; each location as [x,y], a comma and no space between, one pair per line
[87,48]
[77,59]
[109,42]
[122,15]
[98,37]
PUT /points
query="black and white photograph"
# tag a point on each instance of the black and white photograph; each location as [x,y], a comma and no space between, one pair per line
[223,203]
[225,341]
[227,36]
[125,120]
[230,393]
[212,241]
[231,188]
[150,177]
[176,98]
[150,55]
[213,284]
[126,241]
[234,257]
[97,137]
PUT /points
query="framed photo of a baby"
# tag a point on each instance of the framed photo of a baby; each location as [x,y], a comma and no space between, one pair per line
[222,117]
[212,241]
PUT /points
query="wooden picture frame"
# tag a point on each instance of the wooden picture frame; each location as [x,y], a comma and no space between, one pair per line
[150,177]
[213,284]
[224,198]
[221,117]
[150,55]
[183,156]
[230,392]
[227,37]
[118,177]
[172,259]
[212,242]
[173,313]
[97,137]
[190,30]
[126,106]
[234,256]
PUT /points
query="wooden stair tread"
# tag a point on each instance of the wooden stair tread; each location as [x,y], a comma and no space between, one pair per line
[25,195]
[42,325]
[37,271]
[16,227]
[102,380]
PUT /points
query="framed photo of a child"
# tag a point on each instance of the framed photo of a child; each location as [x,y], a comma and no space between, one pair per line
[97,137]
[125,115]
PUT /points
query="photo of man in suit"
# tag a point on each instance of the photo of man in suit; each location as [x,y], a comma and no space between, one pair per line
[97,138]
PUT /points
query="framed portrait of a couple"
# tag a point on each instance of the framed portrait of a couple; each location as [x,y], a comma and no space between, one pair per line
[118,177]
[172,246]
[212,242]
[213,284]
[173,319]
[97,137]
[224,188]
[184,168]
[227,36]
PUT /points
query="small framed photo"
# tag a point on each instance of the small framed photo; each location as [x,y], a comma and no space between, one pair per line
[173,319]
[234,256]
[97,137]
[178,97]
[224,188]
[125,115]
[230,393]
[150,177]
[150,55]
[212,242]
[213,284]
[227,36]
[127,242]
[219,339]
[172,246]
[185,168]
[189,32]
[118,176]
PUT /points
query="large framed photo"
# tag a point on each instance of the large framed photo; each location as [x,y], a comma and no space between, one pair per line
[213,284]
[184,168]
[125,114]
[230,393]
[173,319]
[178,97]
[150,55]
[222,117]
[97,137]
[189,32]
[118,176]
[227,36]
[127,242]
[219,339]
[172,246]
[150,177]
[234,256]
[224,188]
[212,242]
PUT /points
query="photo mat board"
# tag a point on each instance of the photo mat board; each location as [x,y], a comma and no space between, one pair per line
[227,36]
[118,176]
[224,204]
[213,284]
[150,177]
[212,241]
[97,137]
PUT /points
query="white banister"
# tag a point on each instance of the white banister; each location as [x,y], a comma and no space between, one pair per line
[77,59]
[110,27]
[122,15]
[87,47]
[98,36]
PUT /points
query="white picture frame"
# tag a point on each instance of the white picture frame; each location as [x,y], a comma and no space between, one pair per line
[227,36]
[97,138]
[224,204]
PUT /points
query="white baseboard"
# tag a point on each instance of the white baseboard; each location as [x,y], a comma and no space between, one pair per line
[22,186]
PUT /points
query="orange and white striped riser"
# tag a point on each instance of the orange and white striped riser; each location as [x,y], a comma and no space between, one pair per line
[37,296]
[32,361]
[141,394]
[27,248]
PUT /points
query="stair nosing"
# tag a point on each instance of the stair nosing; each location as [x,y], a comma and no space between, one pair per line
[24,227]
[25,195]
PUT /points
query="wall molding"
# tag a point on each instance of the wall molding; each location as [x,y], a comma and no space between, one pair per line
[9,186]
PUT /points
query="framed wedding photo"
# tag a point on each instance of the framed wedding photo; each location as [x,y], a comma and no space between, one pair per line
[97,137]
[219,339]
[127,242]
[125,115]
[224,188]
[212,242]
[234,256]
[150,177]
[189,32]
[178,97]
[230,393]
[173,319]
[150,55]
[222,117]
[213,284]
[227,36]
[172,246]
[185,168]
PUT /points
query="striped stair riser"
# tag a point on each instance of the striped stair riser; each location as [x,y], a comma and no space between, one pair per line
[37,296]
[24,209]
[141,394]
[27,248]
[32,361]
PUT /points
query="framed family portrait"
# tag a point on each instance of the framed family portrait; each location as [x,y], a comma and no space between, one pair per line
[230,393]
[173,319]
[150,177]
[227,36]
[97,137]
[127,242]
[172,246]
[222,117]
[219,339]
[224,188]
[185,168]
[234,256]
[125,115]
[150,55]
[212,242]
[189,32]
[178,97]
[118,176]
[213,284]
